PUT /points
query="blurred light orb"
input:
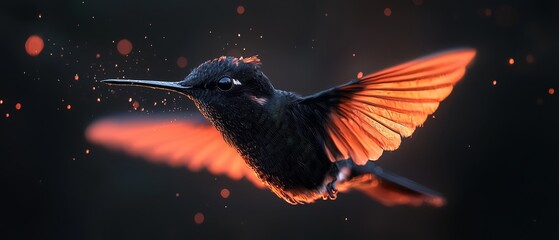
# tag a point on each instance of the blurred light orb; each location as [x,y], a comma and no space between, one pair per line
[199,218]
[18,106]
[182,62]
[387,12]
[225,193]
[124,47]
[359,74]
[551,91]
[240,10]
[34,45]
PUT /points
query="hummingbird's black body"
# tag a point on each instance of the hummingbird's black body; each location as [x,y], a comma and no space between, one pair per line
[305,148]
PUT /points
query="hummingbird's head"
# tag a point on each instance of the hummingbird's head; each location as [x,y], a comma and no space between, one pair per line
[219,87]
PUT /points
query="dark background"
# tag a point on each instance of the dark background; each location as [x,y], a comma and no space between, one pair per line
[492,150]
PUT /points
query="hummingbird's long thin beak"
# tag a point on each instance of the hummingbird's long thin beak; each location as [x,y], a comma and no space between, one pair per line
[170,86]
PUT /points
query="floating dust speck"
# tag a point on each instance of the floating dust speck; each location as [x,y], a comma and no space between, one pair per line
[1,101]
[76,77]
[98,99]
[136,105]
[68,107]
[87,151]
[224,193]
[7,115]
[387,12]
[199,218]
[130,100]
[551,91]
[18,106]
[98,55]
[34,45]
[359,74]
[124,47]
[494,82]
[177,195]
[240,10]
[511,61]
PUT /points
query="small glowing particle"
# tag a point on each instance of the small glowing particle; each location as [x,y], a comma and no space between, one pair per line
[7,115]
[182,62]
[98,55]
[530,58]
[130,100]
[240,10]
[34,45]
[1,101]
[494,82]
[136,105]
[551,91]
[76,77]
[177,194]
[353,54]
[511,61]
[40,15]
[68,106]
[124,46]
[18,106]
[199,218]
[387,12]
[224,193]
[98,99]
[87,151]
[345,219]
[238,35]
[359,74]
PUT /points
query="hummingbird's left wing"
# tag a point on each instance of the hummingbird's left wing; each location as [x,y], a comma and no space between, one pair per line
[180,142]
[369,115]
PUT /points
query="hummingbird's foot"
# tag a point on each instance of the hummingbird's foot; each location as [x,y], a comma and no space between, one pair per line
[331,189]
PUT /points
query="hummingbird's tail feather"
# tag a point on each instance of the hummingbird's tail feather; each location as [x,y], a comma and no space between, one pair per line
[388,188]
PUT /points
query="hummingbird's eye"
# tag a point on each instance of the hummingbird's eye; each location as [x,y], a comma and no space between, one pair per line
[225,83]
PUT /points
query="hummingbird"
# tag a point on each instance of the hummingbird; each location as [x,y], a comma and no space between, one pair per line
[301,148]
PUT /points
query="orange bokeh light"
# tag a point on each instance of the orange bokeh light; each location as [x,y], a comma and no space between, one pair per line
[551,91]
[124,46]
[34,45]
[68,106]
[87,151]
[136,105]
[387,12]
[359,74]
[199,218]
[225,193]
[240,10]
[182,62]
[76,77]
[18,106]
[511,61]
[494,82]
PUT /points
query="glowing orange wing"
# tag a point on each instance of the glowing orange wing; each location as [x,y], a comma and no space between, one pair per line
[192,144]
[371,114]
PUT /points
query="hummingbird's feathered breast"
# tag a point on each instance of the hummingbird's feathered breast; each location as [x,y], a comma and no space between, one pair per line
[277,143]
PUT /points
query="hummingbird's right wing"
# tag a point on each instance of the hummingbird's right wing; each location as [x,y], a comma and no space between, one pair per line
[191,143]
[371,114]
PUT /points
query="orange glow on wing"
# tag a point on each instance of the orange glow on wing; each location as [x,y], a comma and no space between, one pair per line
[34,45]
[174,142]
[382,107]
